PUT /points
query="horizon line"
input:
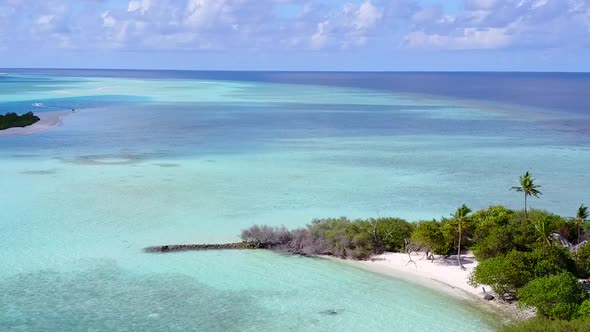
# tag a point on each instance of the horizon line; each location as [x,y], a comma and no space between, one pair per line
[301,71]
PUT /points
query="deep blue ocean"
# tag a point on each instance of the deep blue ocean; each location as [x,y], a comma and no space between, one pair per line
[557,91]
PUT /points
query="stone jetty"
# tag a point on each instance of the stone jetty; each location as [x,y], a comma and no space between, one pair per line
[197,247]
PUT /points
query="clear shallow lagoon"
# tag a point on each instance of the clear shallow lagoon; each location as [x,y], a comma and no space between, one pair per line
[151,159]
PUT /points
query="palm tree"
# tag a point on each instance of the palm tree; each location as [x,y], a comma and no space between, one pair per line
[543,227]
[459,216]
[528,187]
[581,217]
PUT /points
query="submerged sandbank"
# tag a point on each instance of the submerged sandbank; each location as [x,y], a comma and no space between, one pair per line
[442,274]
[47,120]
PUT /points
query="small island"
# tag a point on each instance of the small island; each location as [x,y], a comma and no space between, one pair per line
[11,119]
[532,265]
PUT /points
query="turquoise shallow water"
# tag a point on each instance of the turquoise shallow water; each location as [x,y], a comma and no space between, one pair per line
[154,161]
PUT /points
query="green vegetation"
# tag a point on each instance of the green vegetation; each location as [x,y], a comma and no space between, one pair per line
[547,325]
[498,231]
[555,297]
[429,236]
[390,234]
[584,310]
[582,257]
[581,217]
[506,274]
[460,218]
[339,237]
[527,255]
[10,120]
[528,187]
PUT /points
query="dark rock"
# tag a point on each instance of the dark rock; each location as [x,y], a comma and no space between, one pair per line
[188,247]
[330,312]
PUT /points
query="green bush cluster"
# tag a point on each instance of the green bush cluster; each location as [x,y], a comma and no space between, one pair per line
[506,274]
[345,238]
[557,296]
[340,237]
[498,231]
[519,259]
[438,237]
[583,261]
[547,325]
[517,253]
[10,120]
[584,310]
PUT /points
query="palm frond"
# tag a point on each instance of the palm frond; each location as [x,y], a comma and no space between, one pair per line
[535,192]
[582,213]
[527,185]
[462,212]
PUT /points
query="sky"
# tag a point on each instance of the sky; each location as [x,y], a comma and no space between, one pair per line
[380,35]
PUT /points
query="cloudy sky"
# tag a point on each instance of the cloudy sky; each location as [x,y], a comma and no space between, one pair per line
[537,35]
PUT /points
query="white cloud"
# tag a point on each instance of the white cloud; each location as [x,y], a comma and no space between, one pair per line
[367,16]
[495,24]
[428,14]
[206,13]
[540,3]
[45,19]
[349,27]
[468,39]
[481,4]
[108,21]
[295,24]
[139,5]
[320,38]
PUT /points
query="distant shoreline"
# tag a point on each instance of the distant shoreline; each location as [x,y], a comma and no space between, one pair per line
[47,120]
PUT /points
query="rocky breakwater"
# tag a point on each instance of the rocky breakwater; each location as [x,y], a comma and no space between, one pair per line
[196,247]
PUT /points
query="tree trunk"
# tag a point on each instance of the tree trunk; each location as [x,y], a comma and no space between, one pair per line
[526,215]
[375,236]
[459,249]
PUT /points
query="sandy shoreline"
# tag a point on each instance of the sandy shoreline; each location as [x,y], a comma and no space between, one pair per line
[47,120]
[442,275]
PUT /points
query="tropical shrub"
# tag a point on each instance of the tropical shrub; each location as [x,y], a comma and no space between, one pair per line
[566,227]
[266,235]
[339,237]
[506,274]
[345,238]
[552,260]
[584,310]
[429,235]
[450,234]
[547,325]
[498,231]
[390,234]
[555,297]
[582,257]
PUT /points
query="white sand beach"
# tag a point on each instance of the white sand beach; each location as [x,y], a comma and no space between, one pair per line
[442,274]
[47,120]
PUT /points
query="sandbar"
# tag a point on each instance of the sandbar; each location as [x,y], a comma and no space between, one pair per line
[47,120]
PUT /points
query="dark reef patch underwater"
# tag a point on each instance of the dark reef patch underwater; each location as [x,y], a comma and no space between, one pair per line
[104,297]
